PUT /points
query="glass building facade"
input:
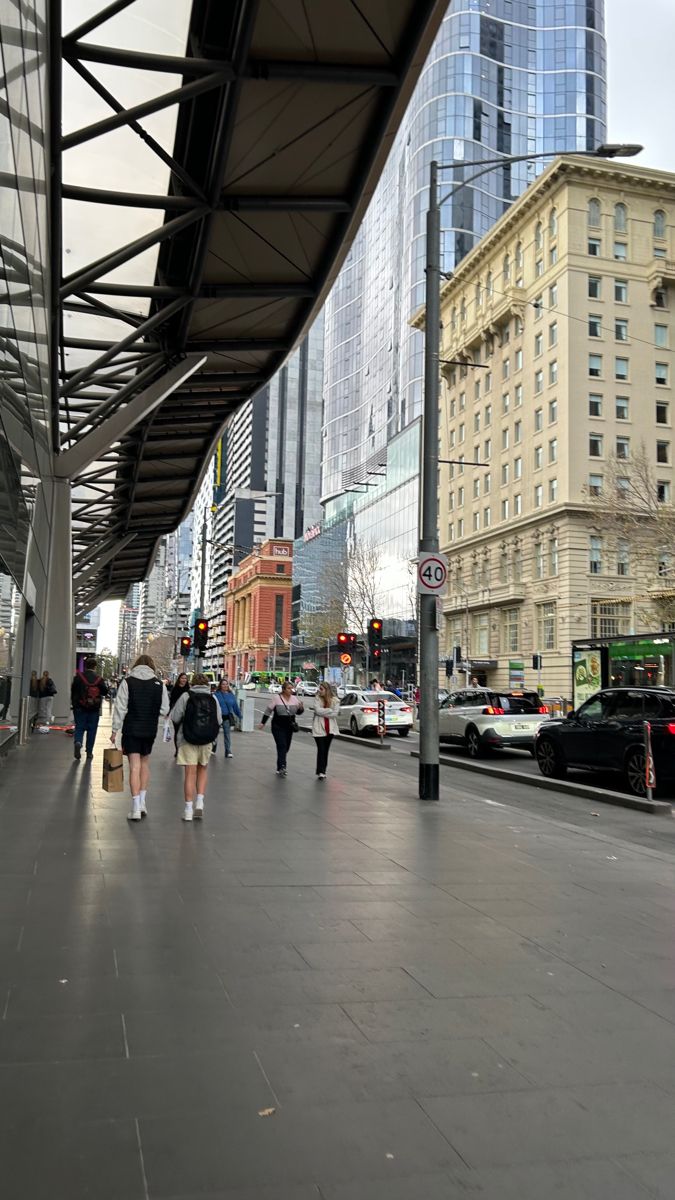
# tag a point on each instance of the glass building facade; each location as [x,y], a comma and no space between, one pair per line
[25,500]
[507,77]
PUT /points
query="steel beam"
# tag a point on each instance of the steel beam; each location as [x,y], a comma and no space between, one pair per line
[351,74]
[140,60]
[90,195]
[102,561]
[223,345]
[223,291]
[158,318]
[99,18]
[75,460]
[243,203]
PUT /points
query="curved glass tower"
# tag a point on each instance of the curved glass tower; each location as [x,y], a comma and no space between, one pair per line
[504,77]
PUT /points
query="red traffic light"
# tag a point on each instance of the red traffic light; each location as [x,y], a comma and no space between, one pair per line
[202,625]
[201,633]
[343,639]
[186,645]
[375,625]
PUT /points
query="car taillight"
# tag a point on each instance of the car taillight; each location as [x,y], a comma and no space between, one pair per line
[543,709]
[671,727]
[491,711]
[405,708]
[369,710]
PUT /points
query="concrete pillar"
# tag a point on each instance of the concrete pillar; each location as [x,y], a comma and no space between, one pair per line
[59,644]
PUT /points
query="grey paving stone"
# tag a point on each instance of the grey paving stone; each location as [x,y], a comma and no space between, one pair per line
[654,1172]
[318,986]
[79,1160]
[565,1057]
[403,1020]
[49,1038]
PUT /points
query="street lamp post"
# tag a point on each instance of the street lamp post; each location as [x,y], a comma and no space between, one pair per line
[428,539]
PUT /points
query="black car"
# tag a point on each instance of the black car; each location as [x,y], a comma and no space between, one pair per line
[607,733]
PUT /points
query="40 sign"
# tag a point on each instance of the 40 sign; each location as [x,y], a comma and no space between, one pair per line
[432,574]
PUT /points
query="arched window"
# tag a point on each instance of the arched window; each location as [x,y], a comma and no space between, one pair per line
[619,218]
[519,256]
[659,223]
[539,235]
[462,310]
[553,223]
[594,213]
[479,295]
[453,320]
[489,285]
[507,268]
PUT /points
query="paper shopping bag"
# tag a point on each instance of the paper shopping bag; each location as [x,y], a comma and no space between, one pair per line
[113,771]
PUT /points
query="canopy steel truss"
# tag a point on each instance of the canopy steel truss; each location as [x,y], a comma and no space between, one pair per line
[278,144]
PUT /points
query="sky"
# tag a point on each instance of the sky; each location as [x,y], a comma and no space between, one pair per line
[641,100]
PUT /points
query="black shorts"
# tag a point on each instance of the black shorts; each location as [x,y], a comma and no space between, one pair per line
[137,745]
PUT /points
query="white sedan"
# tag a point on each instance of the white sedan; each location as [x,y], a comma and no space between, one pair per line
[307,687]
[357,713]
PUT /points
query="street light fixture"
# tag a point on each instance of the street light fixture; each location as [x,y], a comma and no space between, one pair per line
[428,537]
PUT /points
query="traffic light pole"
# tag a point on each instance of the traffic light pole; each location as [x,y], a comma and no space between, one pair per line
[428,624]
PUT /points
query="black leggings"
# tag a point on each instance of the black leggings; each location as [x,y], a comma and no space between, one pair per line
[322,748]
[283,736]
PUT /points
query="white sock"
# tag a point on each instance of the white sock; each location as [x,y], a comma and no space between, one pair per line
[200,801]
[188,804]
[143,795]
[136,801]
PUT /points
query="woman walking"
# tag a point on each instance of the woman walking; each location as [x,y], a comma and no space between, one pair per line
[324,725]
[196,716]
[283,709]
[181,686]
[141,700]
[46,693]
[229,709]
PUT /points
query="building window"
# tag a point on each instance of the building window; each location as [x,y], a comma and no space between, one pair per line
[476,422]
[487,518]
[539,560]
[538,306]
[659,223]
[621,329]
[553,450]
[594,325]
[661,374]
[553,372]
[517,505]
[663,491]
[476,487]
[462,433]
[280,569]
[506,368]
[661,298]
[621,368]
[476,521]
[623,487]
[487,415]
[546,625]
[519,256]
[517,433]
[517,468]
[510,630]
[481,634]
[661,336]
[595,485]
[621,291]
[505,474]
[664,563]
[593,214]
[622,408]
[552,491]
[594,405]
[460,497]
[538,344]
[539,235]
[622,557]
[538,382]
[662,413]
[594,247]
[553,556]
[506,269]
[460,527]
[553,256]
[538,458]
[553,334]
[620,214]
[595,445]
[553,223]
[518,360]
[663,452]
[594,286]
[539,267]
[595,555]
[489,285]
[623,448]
[278,614]
[518,395]
[620,251]
[538,495]
[553,296]
[487,381]
[505,510]
[505,402]
[595,365]
[610,618]
[538,420]
[505,439]
[487,449]
[552,412]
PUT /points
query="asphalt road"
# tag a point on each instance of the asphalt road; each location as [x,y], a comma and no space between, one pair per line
[644,829]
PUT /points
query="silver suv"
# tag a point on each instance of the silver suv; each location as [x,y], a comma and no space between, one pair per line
[483,720]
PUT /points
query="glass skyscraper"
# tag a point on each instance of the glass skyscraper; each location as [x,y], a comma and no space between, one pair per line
[511,77]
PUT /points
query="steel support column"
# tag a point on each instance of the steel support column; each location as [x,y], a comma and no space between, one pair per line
[59,641]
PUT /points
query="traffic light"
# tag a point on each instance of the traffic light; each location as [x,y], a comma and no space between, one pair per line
[346,641]
[374,633]
[185,645]
[377,653]
[201,634]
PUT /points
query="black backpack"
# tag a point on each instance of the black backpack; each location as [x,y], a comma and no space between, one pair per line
[201,723]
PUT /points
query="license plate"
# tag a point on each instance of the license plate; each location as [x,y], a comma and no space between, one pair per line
[522,725]
[392,719]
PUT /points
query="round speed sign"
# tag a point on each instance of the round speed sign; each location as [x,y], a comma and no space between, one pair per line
[432,573]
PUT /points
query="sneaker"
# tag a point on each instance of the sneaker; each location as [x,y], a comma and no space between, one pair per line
[144,811]
[89,754]
[321,776]
[199,810]
[77,751]
[187,814]
[229,755]
[134,815]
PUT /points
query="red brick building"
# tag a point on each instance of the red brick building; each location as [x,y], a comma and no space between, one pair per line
[258,607]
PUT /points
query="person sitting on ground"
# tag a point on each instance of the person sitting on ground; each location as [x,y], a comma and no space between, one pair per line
[197,718]
[141,701]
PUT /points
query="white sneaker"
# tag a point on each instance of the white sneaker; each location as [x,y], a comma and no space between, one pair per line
[187,814]
[199,810]
[229,755]
[322,776]
[144,811]
[135,814]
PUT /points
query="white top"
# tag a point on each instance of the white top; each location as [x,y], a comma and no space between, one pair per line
[320,716]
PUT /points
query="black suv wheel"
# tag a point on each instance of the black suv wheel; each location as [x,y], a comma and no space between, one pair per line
[636,771]
[550,759]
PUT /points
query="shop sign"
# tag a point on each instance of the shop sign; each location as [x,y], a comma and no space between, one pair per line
[311,533]
[587,674]
[516,674]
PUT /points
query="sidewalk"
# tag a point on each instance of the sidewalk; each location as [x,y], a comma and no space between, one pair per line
[326,991]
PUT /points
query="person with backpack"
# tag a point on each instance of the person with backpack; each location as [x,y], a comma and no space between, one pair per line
[229,709]
[196,715]
[86,693]
[141,700]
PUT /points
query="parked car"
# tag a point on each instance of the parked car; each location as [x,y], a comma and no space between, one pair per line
[483,720]
[306,687]
[607,733]
[357,713]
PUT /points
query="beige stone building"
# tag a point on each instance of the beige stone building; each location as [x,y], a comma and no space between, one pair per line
[562,320]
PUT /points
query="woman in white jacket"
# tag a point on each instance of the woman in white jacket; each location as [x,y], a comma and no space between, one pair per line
[324,725]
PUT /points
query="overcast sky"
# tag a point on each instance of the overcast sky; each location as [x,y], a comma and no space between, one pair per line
[640,48]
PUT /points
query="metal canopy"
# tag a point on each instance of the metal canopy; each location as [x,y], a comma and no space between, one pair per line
[284,115]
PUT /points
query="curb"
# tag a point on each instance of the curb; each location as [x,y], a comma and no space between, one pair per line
[367,743]
[559,785]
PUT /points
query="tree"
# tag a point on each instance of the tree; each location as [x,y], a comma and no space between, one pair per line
[357,584]
[108,663]
[636,519]
[161,649]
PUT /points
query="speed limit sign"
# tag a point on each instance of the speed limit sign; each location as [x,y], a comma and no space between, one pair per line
[432,574]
